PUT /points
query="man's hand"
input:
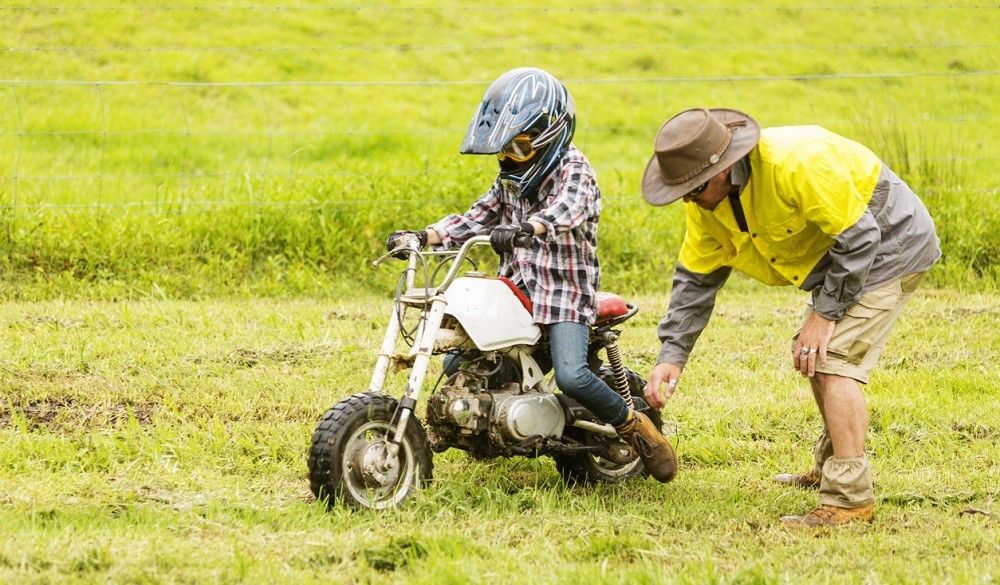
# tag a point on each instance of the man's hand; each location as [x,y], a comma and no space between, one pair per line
[811,344]
[503,237]
[396,240]
[665,373]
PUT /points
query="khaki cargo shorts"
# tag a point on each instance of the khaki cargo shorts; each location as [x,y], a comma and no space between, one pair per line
[860,336]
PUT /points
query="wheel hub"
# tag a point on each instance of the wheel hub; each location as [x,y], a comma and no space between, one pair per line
[376,466]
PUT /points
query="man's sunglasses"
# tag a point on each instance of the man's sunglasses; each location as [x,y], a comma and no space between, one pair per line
[697,190]
[519,149]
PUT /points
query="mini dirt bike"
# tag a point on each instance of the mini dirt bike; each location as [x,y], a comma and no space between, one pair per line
[371,451]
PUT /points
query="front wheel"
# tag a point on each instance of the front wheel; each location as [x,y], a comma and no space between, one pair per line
[351,458]
[590,468]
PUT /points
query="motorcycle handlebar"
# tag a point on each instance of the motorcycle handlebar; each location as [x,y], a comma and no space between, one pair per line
[460,257]
[521,241]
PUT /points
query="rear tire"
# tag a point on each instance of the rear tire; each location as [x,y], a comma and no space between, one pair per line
[348,461]
[587,468]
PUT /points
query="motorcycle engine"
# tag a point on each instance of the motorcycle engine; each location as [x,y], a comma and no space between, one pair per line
[476,413]
[533,414]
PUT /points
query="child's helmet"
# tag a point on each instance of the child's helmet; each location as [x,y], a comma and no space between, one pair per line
[524,101]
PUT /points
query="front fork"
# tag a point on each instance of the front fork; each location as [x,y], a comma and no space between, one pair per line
[392,331]
[422,349]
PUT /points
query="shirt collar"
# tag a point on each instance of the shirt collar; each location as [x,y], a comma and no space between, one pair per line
[740,175]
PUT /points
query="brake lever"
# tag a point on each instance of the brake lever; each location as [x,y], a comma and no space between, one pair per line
[384,257]
[391,254]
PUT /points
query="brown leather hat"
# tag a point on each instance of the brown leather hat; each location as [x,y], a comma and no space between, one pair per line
[694,146]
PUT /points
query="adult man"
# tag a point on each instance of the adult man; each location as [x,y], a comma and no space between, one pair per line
[794,205]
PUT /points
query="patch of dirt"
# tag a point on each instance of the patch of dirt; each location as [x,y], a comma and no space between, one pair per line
[287,354]
[336,315]
[45,375]
[970,431]
[59,323]
[69,413]
[264,411]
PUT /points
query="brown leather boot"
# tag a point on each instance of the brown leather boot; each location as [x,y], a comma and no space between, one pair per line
[808,480]
[652,447]
[830,516]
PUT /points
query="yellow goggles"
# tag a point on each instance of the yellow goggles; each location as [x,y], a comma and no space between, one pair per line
[519,149]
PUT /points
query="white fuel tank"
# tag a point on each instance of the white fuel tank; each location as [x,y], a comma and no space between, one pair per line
[490,313]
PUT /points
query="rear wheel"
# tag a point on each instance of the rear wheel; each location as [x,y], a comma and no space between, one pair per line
[590,468]
[351,459]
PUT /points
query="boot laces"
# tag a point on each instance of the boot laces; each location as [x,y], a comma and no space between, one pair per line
[824,513]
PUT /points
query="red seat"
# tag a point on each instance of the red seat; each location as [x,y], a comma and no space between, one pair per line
[525,301]
[609,306]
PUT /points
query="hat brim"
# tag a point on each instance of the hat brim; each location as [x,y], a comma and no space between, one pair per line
[745,137]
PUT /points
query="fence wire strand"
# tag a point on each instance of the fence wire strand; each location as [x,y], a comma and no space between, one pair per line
[568,81]
[481,8]
[491,47]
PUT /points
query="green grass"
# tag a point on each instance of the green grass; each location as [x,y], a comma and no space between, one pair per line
[186,288]
[165,441]
[186,191]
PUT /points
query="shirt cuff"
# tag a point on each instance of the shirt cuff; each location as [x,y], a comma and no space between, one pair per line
[671,353]
[446,240]
[828,307]
[550,228]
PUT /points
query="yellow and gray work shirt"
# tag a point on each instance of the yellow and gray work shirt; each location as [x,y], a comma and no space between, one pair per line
[820,212]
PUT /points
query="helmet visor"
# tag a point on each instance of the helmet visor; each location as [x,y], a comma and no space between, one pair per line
[518,150]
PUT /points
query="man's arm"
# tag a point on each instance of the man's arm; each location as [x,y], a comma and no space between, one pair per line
[825,185]
[851,258]
[692,299]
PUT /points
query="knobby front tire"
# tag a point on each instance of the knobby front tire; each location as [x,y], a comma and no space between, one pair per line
[349,438]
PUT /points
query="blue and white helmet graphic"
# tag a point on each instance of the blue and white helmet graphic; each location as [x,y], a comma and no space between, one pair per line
[524,100]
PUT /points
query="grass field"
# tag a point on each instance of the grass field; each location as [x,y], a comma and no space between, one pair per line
[165,442]
[190,192]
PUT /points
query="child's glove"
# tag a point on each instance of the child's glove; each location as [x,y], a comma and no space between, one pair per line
[505,238]
[396,240]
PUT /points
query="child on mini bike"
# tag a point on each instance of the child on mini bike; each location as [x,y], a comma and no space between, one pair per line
[546,190]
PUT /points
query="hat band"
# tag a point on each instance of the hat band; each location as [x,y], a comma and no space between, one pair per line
[713,159]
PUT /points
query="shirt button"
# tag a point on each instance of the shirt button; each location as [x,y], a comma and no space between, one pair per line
[795,278]
[788,230]
[773,260]
[753,235]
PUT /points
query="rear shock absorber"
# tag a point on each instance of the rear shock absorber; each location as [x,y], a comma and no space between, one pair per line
[617,367]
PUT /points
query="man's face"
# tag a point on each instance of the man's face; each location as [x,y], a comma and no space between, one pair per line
[715,190]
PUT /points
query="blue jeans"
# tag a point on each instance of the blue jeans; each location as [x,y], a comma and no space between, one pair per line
[568,343]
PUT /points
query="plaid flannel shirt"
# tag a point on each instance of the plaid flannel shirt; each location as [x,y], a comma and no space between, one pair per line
[560,270]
